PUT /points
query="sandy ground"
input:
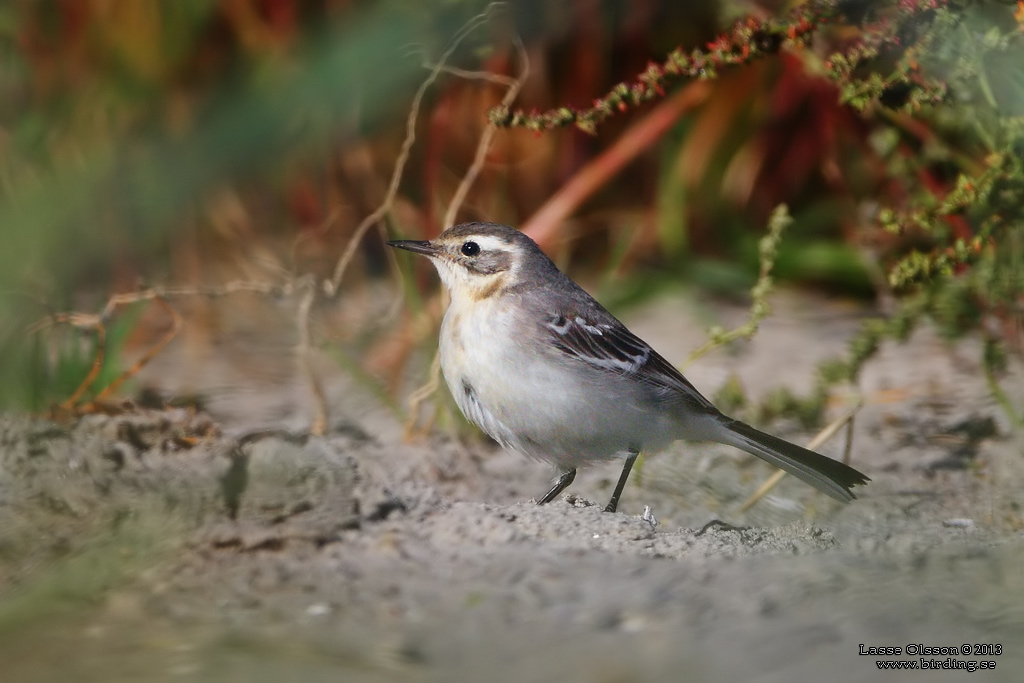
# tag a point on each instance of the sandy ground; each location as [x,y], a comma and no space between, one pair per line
[165,545]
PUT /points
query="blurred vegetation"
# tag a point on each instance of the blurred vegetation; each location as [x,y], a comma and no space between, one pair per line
[194,143]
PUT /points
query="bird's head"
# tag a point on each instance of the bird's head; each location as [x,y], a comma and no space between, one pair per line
[477,260]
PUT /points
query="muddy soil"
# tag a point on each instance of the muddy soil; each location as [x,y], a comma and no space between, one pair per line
[229,545]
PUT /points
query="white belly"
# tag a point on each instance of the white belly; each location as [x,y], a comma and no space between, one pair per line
[536,401]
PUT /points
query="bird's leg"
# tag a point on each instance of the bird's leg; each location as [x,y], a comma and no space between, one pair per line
[614,502]
[562,484]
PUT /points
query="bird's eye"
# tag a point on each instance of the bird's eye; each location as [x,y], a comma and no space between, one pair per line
[470,249]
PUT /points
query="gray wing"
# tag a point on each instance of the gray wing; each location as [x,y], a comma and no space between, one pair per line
[604,343]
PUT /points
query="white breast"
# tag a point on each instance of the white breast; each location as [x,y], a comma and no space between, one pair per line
[472,361]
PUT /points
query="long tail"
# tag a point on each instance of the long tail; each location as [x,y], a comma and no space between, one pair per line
[829,476]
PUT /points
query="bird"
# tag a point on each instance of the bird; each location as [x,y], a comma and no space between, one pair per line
[546,371]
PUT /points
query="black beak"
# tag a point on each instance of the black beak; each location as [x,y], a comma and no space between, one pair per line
[416,246]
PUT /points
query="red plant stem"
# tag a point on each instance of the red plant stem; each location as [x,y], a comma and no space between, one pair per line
[545,224]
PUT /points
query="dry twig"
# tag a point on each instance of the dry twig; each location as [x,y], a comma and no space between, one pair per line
[331,286]
[97,323]
[428,389]
[304,353]
[176,322]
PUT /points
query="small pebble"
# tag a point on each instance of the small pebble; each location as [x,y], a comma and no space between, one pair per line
[317,610]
